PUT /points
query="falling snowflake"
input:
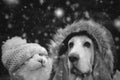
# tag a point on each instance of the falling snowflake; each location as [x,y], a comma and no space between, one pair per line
[59,12]
[10,26]
[53,20]
[49,7]
[51,34]
[68,19]
[36,41]
[76,14]
[101,1]
[67,2]
[31,5]
[32,34]
[45,34]
[39,32]
[24,35]
[41,1]
[25,7]
[117,39]
[25,17]
[6,16]
[74,6]
[111,2]
[117,24]
[117,47]
[11,2]
[86,13]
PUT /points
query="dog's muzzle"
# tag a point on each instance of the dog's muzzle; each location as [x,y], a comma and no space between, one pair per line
[74,70]
[78,73]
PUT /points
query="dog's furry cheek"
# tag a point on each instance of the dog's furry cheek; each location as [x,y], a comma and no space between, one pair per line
[84,66]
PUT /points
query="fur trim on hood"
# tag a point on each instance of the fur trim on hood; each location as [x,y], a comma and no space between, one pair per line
[102,37]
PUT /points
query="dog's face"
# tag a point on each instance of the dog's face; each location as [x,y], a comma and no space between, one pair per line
[81,55]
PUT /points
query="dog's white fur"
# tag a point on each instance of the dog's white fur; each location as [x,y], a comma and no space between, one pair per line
[83,51]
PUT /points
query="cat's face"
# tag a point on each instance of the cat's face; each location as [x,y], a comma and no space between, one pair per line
[36,68]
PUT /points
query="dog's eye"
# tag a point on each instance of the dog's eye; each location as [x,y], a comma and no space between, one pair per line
[87,44]
[70,44]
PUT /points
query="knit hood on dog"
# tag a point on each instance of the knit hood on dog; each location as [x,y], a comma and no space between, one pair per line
[102,36]
[16,51]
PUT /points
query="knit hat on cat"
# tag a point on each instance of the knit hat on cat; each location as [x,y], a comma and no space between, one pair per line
[16,51]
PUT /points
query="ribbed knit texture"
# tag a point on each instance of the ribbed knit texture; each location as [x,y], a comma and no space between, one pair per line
[16,51]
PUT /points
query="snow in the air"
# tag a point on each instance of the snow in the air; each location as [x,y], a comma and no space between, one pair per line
[59,12]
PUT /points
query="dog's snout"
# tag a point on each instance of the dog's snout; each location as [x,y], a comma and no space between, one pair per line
[74,58]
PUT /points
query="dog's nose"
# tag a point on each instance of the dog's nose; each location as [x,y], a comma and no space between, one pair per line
[74,58]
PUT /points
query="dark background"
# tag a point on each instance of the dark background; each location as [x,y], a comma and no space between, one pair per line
[37,20]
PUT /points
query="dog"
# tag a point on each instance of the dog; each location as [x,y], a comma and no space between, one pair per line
[81,56]
[88,47]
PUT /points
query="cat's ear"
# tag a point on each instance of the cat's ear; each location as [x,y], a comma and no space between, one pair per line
[43,51]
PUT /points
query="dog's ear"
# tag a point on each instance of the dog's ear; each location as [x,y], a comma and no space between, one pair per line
[61,70]
[63,49]
[101,70]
